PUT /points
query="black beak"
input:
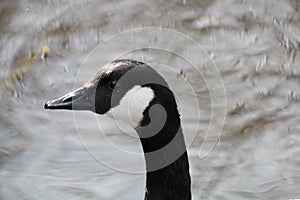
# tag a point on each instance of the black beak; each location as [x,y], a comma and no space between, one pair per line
[80,99]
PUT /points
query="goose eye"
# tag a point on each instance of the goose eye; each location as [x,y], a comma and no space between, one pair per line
[112,84]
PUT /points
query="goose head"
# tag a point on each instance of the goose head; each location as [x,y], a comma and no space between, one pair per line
[122,90]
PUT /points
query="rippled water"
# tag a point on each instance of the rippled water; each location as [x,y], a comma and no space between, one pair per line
[255,46]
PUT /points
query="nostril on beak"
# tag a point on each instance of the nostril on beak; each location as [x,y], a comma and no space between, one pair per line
[67,99]
[75,100]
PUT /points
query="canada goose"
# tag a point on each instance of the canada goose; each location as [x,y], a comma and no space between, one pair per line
[134,92]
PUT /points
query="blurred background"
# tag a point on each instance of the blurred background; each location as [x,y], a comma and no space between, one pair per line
[254,44]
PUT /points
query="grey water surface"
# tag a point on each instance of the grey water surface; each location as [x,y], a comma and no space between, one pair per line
[239,103]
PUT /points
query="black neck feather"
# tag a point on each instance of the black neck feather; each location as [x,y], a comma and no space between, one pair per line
[165,152]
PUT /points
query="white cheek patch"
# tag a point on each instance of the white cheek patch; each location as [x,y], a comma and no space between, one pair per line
[132,105]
